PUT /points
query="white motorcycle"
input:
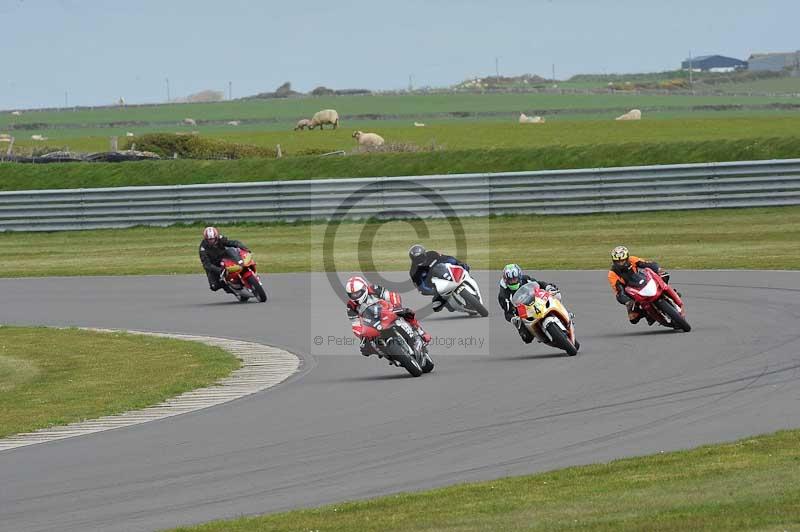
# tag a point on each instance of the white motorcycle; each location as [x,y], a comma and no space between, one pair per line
[460,291]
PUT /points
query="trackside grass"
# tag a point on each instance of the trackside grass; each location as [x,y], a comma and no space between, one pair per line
[752,484]
[58,376]
[759,238]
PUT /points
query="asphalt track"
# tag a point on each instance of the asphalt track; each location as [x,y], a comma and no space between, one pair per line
[345,427]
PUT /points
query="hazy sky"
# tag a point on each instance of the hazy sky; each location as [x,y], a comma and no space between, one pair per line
[98,51]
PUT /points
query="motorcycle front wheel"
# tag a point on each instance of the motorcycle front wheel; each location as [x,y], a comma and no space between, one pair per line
[404,359]
[561,340]
[473,303]
[669,310]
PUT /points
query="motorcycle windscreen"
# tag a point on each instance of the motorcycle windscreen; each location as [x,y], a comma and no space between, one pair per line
[525,294]
[440,271]
[372,314]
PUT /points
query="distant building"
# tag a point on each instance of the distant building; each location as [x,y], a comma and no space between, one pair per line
[713,63]
[774,62]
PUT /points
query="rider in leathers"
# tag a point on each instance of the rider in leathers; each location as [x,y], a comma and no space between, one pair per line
[513,278]
[622,264]
[422,261]
[212,251]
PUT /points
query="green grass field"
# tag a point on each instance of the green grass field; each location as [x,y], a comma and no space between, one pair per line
[746,238]
[59,376]
[389,105]
[752,484]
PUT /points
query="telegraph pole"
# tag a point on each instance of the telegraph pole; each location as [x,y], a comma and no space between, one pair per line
[167,79]
[691,68]
[66,99]
[230,90]
[497,67]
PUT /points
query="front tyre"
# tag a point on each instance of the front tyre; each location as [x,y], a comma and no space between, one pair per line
[473,303]
[427,365]
[560,339]
[669,310]
[404,359]
[258,290]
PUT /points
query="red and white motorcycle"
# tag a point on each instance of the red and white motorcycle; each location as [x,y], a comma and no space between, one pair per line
[457,287]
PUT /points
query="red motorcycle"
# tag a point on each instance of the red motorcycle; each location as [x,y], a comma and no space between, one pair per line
[239,273]
[393,337]
[657,299]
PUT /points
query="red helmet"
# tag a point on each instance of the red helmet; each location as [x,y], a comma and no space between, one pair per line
[211,235]
[357,289]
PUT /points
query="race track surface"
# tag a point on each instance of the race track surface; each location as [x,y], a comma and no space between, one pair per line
[347,427]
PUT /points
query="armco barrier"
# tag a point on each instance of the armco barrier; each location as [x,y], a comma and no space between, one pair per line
[642,188]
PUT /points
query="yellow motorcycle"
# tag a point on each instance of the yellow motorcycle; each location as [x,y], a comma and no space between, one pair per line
[546,317]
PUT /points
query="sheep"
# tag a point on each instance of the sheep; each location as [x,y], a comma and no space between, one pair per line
[128,134]
[368,140]
[524,119]
[5,137]
[234,122]
[38,137]
[633,114]
[326,116]
[303,123]
[189,122]
[16,113]
[419,124]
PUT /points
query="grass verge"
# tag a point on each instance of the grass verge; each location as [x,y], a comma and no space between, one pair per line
[752,484]
[492,158]
[58,376]
[759,238]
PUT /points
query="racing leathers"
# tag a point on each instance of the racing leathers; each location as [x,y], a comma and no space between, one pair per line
[617,279]
[376,292]
[420,274]
[212,254]
[504,296]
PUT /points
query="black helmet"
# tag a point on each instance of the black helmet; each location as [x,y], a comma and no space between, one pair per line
[416,251]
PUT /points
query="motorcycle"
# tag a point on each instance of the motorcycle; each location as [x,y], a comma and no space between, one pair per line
[657,298]
[393,337]
[239,274]
[546,317]
[457,287]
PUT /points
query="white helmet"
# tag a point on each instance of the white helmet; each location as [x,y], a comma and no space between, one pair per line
[357,289]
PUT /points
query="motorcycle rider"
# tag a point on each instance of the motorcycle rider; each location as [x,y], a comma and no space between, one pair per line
[362,294]
[512,279]
[212,250]
[422,261]
[623,263]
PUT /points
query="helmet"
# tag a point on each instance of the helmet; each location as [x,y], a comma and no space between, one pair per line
[511,275]
[357,289]
[620,255]
[211,235]
[416,251]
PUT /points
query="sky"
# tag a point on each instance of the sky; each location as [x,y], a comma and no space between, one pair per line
[92,52]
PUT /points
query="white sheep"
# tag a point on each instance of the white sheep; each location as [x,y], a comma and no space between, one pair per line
[302,124]
[326,116]
[234,122]
[368,140]
[524,119]
[16,113]
[419,124]
[189,122]
[633,114]
[5,137]
[38,137]
[128,134]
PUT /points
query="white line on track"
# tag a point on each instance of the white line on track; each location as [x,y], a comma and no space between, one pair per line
[262,367]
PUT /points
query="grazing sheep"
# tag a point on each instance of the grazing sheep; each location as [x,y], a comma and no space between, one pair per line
[633,114]
[303,123]
[16,113]
[326,116]
[234,122]
[524,119]
[419,124]
[368,140]
[38,137]
[128,134]
[189,122]
[5,137]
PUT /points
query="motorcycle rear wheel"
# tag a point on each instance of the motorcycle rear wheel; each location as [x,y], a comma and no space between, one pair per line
[678,321]
[561,340]
[473,303]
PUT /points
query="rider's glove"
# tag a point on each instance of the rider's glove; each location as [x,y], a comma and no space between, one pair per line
[623,298]
[516,321]
[551,288]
